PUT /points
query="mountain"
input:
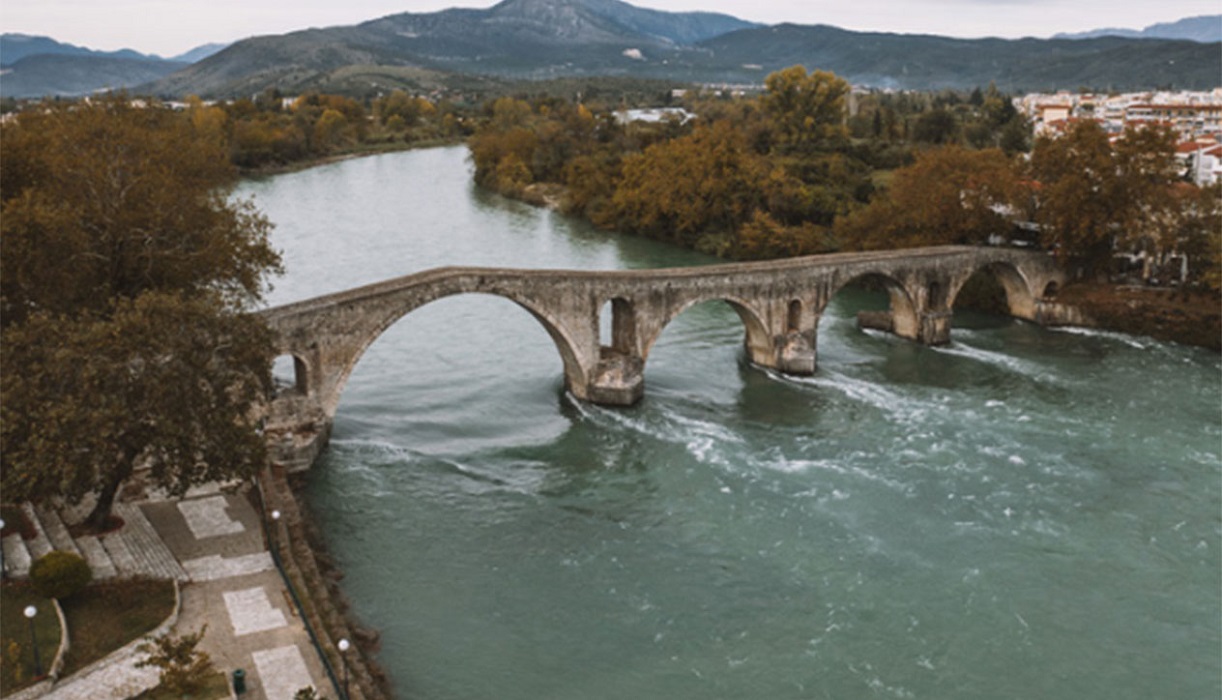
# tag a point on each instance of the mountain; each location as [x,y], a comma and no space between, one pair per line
[14,47]
[199,53]
[1205,29]
[911,61]
[515,38]
[70,75]
[38,66]
[537,39]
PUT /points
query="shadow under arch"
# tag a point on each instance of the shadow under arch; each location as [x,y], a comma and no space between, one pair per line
[574,373]
[900,317]
[1020,301]
[757,340]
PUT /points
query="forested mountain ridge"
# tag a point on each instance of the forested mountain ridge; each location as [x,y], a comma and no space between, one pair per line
[542,39]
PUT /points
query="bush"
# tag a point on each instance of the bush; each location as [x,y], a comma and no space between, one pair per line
[60,575]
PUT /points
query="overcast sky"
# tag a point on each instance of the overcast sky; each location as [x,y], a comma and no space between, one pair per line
[170,27]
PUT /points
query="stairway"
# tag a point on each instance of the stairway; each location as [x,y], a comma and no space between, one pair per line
[133,550]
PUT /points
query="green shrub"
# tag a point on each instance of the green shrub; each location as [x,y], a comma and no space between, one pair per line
[60,575]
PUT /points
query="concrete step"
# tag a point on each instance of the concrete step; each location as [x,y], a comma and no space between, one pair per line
[116,547]
[152,555]
[57,531]
[95,554]
[16,557]
[40,546]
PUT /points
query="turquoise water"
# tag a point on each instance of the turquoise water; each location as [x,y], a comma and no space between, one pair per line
[1023,514]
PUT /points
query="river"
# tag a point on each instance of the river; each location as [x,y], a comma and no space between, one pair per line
[1025,513]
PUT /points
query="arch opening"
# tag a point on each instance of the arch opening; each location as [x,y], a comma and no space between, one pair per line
[617,326]
[996,289]
[1051,290]
[793,321]
[870,301]
[290,375]
[465,335]
[701,345]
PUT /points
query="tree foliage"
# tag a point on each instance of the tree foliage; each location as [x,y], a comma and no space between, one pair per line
[126,276]
[807,109]
[1093,195]
[183,668]
[950,195]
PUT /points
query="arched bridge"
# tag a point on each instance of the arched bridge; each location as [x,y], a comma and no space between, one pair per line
[779,302]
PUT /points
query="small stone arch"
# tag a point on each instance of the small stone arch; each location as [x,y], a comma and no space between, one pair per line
[291,375]
[793,317]
[1020,299]
[623,337]
[903,320]
[1051,290]
[757,341]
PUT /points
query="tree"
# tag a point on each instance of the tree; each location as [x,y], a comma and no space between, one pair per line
[108,200]
[950,195]
[1092,195]
[707,182]
[126,276]
[808,110]
[165,380]
[184,668]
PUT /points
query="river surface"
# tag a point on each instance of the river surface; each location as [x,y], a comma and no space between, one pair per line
[1025,513]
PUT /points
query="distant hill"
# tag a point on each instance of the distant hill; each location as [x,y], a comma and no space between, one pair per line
[1205,29]
[69,75]
[14,47]
[199,53]
[545,39]
[931,62]
[37,66]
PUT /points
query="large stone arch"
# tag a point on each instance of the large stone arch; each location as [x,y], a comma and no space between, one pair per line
[1021,298]
[757,340]
[574,373]
[905,320]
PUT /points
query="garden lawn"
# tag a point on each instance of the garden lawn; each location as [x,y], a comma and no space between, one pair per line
[106,616]
[17,668]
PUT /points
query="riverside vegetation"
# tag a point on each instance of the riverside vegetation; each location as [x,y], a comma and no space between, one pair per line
[792,172]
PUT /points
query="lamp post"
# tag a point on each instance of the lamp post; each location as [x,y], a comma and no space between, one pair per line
[344,646]
[1,552]
[275,526]
[30,611]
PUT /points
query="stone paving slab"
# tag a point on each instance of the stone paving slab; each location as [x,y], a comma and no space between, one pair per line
[281,671]
[251,611]
[209,517]
[213,567]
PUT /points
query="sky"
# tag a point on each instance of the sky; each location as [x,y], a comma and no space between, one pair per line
[171,27]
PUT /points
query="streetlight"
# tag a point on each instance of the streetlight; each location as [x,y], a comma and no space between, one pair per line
[275,526]
[30,612]
[1,552]
[344,646]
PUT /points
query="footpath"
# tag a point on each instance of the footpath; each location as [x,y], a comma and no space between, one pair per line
[212,543]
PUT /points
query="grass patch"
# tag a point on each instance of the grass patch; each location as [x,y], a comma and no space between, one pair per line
[17,669]
[16,522]
[106,616]
[216,688]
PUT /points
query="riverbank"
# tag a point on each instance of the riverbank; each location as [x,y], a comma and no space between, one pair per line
[360,150]
[1188,317]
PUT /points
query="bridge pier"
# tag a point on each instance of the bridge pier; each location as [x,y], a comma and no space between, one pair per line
[795,353]
[619,379]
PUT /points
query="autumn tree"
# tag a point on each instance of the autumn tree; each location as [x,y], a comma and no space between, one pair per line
[707,182]
[1091,195]
[126,274]
[807,109]
[950,195]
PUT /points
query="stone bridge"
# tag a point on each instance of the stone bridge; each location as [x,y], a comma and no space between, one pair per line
[779,302]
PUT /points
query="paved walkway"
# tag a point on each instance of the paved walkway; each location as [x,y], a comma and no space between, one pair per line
[233,587]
